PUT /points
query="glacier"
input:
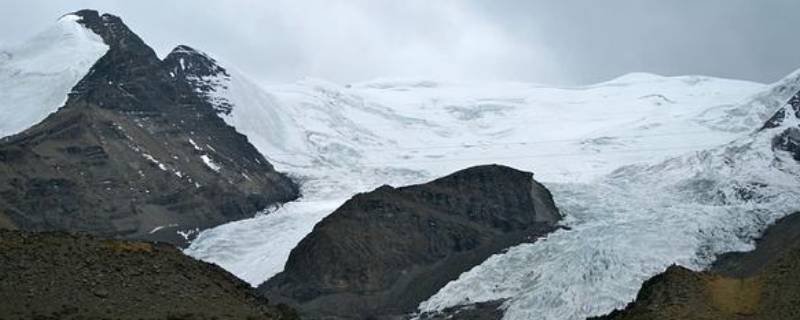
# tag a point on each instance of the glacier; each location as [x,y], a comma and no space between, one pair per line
[646,169]
[338,140]
[631,225]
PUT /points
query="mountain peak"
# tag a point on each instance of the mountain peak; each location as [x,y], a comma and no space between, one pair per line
[94,18]
[182,48]
[186,61]
[112,30]
[85,14]
[202,72]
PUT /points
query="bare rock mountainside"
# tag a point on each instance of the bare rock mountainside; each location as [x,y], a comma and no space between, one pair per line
[383,252]
[67,276]
[137,151]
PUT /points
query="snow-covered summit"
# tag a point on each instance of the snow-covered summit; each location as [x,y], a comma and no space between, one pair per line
[112,30]
[36,76]
[633,78]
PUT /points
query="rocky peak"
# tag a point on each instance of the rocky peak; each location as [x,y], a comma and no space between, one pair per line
[185,61]
[113,31]
[202,72]
[129,77]
[383,252]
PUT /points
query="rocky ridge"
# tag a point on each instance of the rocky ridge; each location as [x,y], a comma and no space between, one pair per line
[136,152]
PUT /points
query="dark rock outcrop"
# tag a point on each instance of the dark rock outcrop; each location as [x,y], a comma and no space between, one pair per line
[136,152]
[788,141]
[786,118]
[383,252]
[67,276]
[760,284]
[202,73]
[790,110]
[490,310]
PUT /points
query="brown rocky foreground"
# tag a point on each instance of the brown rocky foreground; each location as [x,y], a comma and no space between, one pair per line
[67,276]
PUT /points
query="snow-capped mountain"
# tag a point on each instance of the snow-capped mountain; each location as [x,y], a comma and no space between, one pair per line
[132,149]
[36,76]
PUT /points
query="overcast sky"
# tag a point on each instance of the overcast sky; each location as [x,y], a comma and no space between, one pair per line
[553,42]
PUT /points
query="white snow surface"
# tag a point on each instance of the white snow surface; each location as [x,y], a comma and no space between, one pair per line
[210,163]
[35,77]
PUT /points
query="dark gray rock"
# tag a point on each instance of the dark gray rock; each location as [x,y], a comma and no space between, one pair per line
[382,253]
[490,310]
[788,141]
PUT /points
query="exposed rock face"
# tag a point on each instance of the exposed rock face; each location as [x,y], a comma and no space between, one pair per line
[791,110]
[136,152]
[202,73]
[382,253]
[789,141]
[64,276]
[761,284]
[788,119]
[491,310]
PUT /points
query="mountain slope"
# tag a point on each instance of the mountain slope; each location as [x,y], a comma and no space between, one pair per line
[135,152]
[65,276]
[383,252]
